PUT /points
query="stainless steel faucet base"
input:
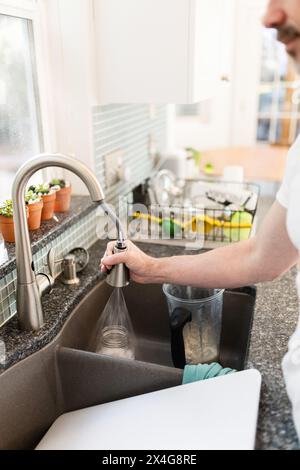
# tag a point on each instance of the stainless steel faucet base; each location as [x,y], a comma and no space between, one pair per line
[28,292]
[31,287]
[29,307]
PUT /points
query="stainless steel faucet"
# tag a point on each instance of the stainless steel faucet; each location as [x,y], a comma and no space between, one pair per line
[31,286]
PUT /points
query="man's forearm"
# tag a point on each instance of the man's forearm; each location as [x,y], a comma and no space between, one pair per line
[232,266]
[262,258]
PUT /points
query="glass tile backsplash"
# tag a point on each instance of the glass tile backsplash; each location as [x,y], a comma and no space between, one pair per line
[82,233]
[128,128]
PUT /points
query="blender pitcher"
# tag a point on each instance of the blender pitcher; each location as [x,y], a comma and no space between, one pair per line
[195,322]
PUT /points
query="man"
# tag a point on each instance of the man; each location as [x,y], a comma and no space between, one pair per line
[272,252]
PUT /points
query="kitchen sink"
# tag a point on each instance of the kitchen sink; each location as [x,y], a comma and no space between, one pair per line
[67,375]
[150,318]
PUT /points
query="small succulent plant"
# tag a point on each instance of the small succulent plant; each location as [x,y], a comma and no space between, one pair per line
[40,189]
[31,197]
[6,208]
[58,183]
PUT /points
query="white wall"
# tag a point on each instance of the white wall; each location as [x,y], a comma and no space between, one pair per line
[247,71]
[214,128]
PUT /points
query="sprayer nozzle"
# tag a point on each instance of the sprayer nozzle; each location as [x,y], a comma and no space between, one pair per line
[119,274]
[121,245]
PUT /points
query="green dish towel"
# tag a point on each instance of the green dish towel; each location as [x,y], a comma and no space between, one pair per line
[194,373]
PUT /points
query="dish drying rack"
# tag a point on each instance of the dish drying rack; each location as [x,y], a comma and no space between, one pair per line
[214,211]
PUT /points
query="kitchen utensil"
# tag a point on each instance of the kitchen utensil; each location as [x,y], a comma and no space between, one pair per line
[199,218]
[118,276]
[195,322]
[167,188]
[115,335]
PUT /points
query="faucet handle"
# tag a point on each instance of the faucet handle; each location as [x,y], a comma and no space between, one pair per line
[52,262]
[44,283]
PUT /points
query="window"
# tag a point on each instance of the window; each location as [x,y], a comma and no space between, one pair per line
[20,121]
[278,110]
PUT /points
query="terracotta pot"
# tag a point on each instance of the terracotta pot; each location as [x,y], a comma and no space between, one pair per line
[35,215]
[48,206]
[7,228]
[63,199]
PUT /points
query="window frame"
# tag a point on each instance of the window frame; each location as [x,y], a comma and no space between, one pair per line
[275,114]
[19,8]
[33,10]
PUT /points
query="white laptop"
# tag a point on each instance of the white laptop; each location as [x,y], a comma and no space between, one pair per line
[219,413]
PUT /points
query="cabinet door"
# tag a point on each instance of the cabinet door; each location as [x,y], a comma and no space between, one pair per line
[160,51]
[209,125]
[247,73]
[206,20]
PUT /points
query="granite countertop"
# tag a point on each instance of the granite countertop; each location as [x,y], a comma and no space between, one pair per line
[80,206]
[57,306]
[274,321]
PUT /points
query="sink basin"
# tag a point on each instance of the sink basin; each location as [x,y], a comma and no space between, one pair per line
[153,368]
[67,375]
[149,314]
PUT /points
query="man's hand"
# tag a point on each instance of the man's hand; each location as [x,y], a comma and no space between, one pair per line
[140,265]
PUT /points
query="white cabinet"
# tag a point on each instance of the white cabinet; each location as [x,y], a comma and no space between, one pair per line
[247,74]
[157,51]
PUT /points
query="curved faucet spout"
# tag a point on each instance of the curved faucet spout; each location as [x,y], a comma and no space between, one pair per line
[28,296]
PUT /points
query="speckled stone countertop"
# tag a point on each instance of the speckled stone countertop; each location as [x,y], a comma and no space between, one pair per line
[57,306]
[274,321]
[80,206]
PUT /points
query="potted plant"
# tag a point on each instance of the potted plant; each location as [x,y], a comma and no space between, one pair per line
[63,194]
[193,161]
[34,204]
[194,158]
[48,196]
[7,221]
